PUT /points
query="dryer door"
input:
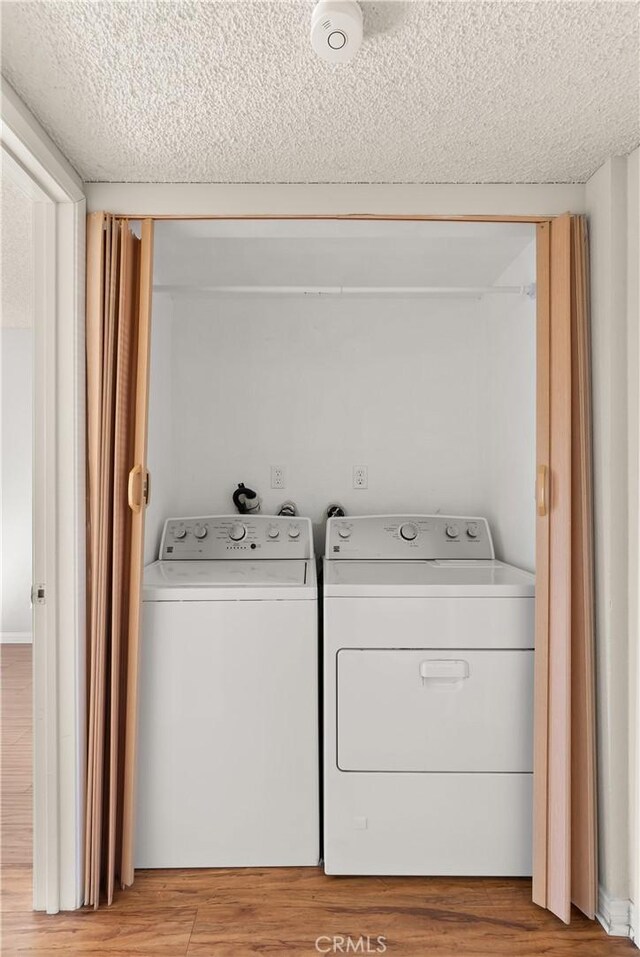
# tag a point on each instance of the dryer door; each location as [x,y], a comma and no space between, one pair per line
[435,710]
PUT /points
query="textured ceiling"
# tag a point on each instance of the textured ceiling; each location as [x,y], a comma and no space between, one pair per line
[440,92]
[16,255]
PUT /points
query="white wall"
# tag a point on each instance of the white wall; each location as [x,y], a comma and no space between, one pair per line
[613,243]
[416,390]
[160,444]
[16,356]
[16,410]
[511,415]
[319,386]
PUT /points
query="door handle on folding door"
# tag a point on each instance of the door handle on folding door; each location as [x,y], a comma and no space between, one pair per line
[134,491]
[542,490]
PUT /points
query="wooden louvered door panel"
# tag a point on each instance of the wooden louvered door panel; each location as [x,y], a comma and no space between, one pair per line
[138,499]
[564,853]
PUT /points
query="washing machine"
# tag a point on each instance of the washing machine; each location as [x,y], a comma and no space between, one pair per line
[428,699]
[228,746]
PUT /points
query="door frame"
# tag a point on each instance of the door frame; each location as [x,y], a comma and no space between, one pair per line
[32,160]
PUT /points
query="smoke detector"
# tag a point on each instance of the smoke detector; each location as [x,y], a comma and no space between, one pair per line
[336,30]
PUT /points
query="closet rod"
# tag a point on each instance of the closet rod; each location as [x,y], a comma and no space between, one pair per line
[453,291]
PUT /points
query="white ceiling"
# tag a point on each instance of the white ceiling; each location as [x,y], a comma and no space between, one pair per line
[16,255]
[440,92]
[196,257]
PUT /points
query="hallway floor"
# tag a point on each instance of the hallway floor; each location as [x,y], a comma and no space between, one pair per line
[16,730]
[282,912]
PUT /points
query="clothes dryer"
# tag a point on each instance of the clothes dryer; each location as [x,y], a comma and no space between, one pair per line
[428,699]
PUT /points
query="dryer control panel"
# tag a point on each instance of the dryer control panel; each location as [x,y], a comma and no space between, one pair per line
[216,537]
[411,537]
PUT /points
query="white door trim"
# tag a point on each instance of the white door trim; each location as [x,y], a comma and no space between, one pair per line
[31,158]
[23,136]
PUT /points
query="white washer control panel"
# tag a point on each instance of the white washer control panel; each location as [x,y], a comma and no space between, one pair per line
[215,537]
[414,537]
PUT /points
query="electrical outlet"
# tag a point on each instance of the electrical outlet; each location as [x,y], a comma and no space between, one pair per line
[277,477]
[360,476]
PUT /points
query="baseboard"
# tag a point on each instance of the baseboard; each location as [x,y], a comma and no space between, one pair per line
[634,929]
[614,914]
[15,638]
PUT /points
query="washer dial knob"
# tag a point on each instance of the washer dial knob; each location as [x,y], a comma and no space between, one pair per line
[237,532]
[273,532]
[344,532]
[200,531]
[473,530]
[408,532]
[452,531]
[180,532]
[294,531]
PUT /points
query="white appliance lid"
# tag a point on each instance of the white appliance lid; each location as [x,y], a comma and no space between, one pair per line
[211,580]
[426,578]
[222,573]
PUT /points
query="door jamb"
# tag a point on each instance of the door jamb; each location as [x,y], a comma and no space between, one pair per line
[35,163]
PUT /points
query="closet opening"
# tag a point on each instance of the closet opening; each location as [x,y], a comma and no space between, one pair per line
[379,399]
[304,368]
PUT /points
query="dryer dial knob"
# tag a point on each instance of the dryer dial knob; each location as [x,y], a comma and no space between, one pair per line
[237,532]
[409,532]
[452,531]
[200,531]
[179,532]
[344,532]
[273,532]
[294,531]
[473,530]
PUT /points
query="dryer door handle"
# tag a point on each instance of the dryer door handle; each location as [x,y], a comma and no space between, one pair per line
[444,669]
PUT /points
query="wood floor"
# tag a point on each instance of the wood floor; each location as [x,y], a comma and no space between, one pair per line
[280,912]
[15,736]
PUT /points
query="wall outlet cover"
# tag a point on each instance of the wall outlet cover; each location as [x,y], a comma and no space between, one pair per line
[360,476]
[278,477]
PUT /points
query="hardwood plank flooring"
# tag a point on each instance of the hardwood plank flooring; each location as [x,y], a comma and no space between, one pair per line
[16,812]
[262,911]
